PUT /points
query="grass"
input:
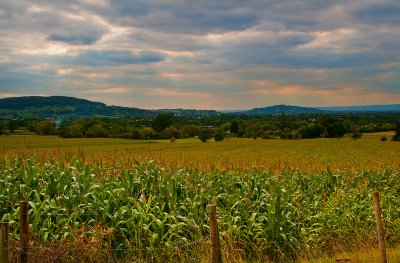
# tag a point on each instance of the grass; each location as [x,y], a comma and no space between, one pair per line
[366,255]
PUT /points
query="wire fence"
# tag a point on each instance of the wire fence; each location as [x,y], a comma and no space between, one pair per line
[98,250]
[192,252]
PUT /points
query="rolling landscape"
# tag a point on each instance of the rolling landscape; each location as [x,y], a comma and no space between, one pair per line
[70,107]
[281,196]
[199,131]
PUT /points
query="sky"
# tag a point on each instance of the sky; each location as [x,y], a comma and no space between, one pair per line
[208,54]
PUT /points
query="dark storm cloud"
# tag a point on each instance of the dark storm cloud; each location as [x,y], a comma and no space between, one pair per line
[73,39]
[116,57]
[385,12]
[192,17]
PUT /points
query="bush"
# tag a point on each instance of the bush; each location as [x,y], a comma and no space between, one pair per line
[219,135]
[266,136]
[356,135]
[172,139]
[383,139]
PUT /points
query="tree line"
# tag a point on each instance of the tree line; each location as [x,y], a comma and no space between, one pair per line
[167,126]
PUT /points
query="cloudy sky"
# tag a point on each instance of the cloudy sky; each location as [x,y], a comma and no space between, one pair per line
[208,54]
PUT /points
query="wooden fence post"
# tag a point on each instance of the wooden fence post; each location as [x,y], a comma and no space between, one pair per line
[381,236]
[4,231]
[24,230]
[215,245]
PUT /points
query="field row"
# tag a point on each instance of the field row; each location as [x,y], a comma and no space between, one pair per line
[305,155]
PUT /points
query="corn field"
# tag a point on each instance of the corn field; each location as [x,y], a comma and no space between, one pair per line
[147,213]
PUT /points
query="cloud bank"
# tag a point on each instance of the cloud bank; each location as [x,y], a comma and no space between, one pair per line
[202,54]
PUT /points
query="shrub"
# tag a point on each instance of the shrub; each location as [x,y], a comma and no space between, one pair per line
[266,136]
[356,135]
[396,137]
[219,136]
[383,139]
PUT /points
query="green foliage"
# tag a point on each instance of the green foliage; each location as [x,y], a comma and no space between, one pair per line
[204,134]
[356,135]
[336,129]
[219,135]
[12,125]
[327,126]
[97,130]
[190,130]
[71,131]
[162,121]
[135,134]
[2,127]
[171,131]
[47,127]
[396,136]
[310,131]
[234,127]
[146,133]
[265,216]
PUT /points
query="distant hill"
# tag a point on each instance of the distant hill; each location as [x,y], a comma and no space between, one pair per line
[293,110]
[366,108]
[188,112]
[70,107]
[61,106]
[287,109]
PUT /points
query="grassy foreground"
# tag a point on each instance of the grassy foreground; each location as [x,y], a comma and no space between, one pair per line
[276,200]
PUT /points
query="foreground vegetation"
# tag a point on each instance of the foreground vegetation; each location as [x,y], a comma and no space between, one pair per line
[102,200]
[148,213]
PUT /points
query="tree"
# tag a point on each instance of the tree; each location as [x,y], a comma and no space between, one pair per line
[46,127]
[219,135]
[355,132]
[234,127]
[135,134]
[2,127]
[12,125]
[204,134]
[146,133]
[309,131]
[171,131]
[335,130]
[190,130]
[97,130]
[396,136]
[162,121]
[74,130]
